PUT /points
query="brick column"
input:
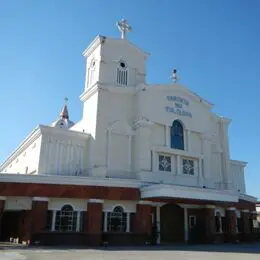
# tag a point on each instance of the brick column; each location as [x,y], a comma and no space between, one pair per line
[25,226]
[93,222]
[246,230]
[210,223]
[253,216]
[231,224]
[2,207]
[143,221]
[39,214]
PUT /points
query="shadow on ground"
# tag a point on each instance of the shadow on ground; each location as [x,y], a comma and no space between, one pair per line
[225,248]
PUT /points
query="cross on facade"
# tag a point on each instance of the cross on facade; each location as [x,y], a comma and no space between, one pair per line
[124,28]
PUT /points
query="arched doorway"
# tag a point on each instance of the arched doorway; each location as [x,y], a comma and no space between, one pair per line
[172,224]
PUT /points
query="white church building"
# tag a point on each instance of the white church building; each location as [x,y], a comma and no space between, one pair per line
[147,163]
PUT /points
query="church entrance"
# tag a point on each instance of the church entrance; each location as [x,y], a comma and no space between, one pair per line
[196,225]
[172,224]
[10,225]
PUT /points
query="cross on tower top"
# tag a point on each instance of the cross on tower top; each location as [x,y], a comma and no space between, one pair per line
[123,27]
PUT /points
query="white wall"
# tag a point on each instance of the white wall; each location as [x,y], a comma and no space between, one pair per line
[63,152]
[25,161]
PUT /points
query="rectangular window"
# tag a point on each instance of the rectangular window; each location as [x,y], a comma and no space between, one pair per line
[165,163]
[192,221]
[188,167]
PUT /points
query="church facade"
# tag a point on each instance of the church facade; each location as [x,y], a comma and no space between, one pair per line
[146,164]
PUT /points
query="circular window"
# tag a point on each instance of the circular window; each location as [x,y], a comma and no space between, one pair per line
[122,65]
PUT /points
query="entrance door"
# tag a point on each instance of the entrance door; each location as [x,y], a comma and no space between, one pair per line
[10,225]
[172,223]
[196,224]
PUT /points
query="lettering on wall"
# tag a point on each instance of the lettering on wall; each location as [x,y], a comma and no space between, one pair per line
[178,106]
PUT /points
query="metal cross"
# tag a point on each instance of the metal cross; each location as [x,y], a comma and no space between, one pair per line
[124,28]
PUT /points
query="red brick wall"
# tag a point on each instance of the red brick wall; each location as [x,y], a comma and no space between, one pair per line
[94,223]
[39,215]
[25,225]
[231,221]
[68,191]
[143,219]
[210,224]
[2,205]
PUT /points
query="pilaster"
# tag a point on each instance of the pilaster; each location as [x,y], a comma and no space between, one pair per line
[210,225]
[93,227]
[231,219]
[143,221]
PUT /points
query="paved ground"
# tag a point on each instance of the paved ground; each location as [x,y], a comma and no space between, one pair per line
[201,252]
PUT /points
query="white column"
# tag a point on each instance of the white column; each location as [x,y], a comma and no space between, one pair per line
[105,221]
[158,218]
[200,167]
[178,165]
[127,222]
[108,147]
[186,225]
[154,161]
[53,220]
[188,140]
[78,221]
[167,136]
[129,152]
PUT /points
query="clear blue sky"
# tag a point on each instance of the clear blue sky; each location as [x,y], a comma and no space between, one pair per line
[214,44]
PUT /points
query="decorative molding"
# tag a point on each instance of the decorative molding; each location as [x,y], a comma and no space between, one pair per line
[144,202]
[210,206]
[71,180]
[168,150]
[93,45]
[164,190]
[95,201]
[2,198]
[40,199]
[142,121]
[89,92]
[231,208]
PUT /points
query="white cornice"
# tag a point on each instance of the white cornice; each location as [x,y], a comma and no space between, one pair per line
[69,180]
[174,191]
[163,149]
[26,143]
[240,163]
[89,92]
[93,45]
[248,198]
[62,132]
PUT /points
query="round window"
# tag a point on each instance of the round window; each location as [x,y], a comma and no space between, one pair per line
[122,65]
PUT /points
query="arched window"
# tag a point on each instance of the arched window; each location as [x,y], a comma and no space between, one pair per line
[116,220]
[177,136]
[66,219]
[122,74]
[91,72]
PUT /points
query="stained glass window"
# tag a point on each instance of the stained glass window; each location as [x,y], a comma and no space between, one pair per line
[188,167]
[177,136]
[164,163]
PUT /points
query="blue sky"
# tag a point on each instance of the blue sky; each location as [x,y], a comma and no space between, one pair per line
[214,44]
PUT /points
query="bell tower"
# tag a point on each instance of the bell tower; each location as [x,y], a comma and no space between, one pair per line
[114,68]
